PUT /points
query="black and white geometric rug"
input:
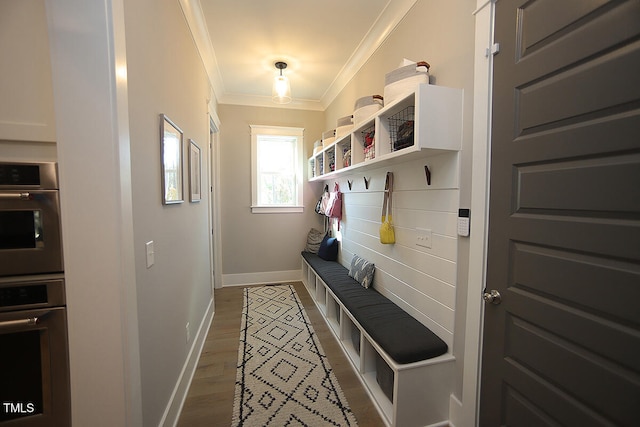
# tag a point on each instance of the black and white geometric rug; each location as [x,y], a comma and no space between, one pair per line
[284,377]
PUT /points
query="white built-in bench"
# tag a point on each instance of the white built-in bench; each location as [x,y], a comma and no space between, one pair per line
[406,369]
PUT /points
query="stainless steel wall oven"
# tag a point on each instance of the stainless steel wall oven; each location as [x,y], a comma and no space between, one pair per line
[34,361]
[30,237]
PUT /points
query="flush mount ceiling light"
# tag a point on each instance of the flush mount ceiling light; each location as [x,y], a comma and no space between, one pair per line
[281,93]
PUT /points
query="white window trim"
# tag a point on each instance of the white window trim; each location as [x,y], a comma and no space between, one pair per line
[276,130]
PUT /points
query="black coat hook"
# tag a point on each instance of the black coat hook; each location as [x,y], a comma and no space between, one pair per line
[366,182]
[427,173]
[350,183]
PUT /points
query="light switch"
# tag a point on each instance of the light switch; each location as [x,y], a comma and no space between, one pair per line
[150,253]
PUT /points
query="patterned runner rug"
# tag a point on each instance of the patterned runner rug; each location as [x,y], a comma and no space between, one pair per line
[284,377]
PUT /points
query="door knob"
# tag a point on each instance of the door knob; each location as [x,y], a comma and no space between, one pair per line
[492,296]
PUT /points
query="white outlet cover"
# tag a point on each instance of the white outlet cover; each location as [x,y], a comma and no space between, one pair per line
[150,253]
[423,238]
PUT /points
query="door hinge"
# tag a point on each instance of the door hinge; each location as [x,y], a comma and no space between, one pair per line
[493,50]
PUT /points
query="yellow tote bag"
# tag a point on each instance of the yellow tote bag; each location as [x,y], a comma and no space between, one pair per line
[387,235]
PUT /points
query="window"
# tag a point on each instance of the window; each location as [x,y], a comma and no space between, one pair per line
[276,160]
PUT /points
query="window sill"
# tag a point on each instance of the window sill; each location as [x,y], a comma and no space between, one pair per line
[276,209]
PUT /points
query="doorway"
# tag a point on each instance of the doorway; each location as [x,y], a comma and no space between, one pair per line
[214,201]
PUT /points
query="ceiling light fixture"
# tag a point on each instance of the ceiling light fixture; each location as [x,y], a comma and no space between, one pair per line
[281,93]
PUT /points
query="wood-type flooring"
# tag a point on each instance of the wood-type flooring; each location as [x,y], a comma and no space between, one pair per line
[210,398]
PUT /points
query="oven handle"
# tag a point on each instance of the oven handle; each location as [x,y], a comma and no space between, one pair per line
[31,321]
[16,196]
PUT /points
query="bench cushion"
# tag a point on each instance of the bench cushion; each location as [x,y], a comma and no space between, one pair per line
[399,334]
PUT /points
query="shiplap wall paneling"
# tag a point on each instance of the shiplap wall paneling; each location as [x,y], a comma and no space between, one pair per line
[420,280]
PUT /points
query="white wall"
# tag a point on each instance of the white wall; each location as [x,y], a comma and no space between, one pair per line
[166,75]
[128,342]
[420,280]
[261,247]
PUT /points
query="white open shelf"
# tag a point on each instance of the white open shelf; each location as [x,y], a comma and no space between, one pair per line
[436,112]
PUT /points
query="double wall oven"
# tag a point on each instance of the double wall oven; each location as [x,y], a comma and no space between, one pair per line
[34,362]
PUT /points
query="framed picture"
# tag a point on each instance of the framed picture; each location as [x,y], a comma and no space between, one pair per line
[171,156]
[195,174]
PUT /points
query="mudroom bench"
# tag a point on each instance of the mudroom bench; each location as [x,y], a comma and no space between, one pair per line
[404,366]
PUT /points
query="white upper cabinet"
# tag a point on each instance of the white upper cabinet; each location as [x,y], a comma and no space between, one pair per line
[427,121]
[26,92]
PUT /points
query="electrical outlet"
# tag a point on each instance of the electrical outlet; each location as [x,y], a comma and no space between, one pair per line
[188,333]
[423,238]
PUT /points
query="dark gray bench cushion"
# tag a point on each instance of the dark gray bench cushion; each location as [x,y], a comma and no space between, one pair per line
[399,334]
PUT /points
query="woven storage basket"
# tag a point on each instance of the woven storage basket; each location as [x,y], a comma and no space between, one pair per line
[405,80]
[328,137]
[365,107]
[345,124]
[317,147]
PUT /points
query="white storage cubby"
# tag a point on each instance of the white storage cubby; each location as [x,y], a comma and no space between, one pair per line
[309,278]
[406,395]
[436,116]
[333,314]
[321,296]
[316,165]
[350,338]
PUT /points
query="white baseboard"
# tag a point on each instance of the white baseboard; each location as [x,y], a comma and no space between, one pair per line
[259,278]
[455,411]
[176,402]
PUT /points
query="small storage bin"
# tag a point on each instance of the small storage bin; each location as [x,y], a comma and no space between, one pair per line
[317,147]
[345,124]
[328,137]
[404,80]
[401,128]
[369,141]
[346,158]
[331,158]
[384,376]
[365,107]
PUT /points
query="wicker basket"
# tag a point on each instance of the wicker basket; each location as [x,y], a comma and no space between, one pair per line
[404,80]
[328,137]
[317,147]
[345,124]
[366,107]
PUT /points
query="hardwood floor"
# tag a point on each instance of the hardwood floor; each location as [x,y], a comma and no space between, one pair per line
[210,398]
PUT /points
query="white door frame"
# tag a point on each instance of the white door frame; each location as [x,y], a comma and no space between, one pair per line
[215,238]
[483,79]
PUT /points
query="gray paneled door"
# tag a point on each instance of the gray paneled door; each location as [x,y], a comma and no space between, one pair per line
[563,345]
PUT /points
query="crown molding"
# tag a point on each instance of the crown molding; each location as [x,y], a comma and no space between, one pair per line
[198,27]
[389,18]
[265,101]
